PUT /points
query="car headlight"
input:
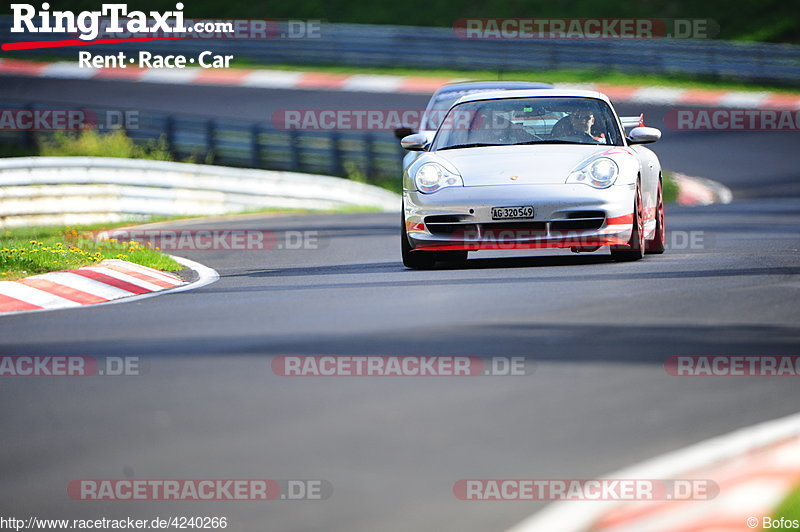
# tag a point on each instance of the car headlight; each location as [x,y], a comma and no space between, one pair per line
[431,177]
[598,173]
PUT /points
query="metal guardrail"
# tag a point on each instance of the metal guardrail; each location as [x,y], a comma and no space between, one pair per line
[371,156]
[423,47]
[55,190]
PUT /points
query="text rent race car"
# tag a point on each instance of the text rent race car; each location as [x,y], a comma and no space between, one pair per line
[526,169]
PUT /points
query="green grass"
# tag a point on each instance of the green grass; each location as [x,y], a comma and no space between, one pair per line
[670,187]
[610,77]
[789,509]
[33,250]
[12,150]
[90,143]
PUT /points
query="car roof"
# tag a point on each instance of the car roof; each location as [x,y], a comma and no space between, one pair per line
[537,93]
[492,85]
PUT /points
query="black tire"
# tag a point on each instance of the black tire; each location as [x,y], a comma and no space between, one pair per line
[658,244]
[634,250]
[417,260]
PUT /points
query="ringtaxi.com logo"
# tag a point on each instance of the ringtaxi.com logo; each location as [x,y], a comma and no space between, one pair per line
[397,366]
[585,489]
[222,29]
[69,366]
[87,23]
[198,490]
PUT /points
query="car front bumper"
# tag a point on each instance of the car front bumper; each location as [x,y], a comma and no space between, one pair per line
[565,216]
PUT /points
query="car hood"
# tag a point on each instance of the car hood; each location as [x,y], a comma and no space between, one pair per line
[534,164]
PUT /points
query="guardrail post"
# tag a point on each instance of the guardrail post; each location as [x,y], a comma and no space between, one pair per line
[294,151]
[210,131]
[169,134]
[369,170]
[255,146]
[336,154]
[29,137]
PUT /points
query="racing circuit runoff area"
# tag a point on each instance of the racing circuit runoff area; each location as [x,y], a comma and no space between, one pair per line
[284,395]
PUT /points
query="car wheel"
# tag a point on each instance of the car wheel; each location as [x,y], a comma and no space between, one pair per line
[634,250]
[418,260]
[658,244]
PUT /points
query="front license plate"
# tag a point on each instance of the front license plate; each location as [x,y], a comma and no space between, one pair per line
[511,213]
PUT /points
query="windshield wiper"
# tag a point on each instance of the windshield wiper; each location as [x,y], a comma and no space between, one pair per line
[472,145]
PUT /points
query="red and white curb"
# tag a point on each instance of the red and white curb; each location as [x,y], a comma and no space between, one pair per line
[754,467]
[282,79]
[111,281]
[700,191]
[751,488]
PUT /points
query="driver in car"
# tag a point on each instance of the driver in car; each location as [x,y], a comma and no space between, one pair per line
[576,124]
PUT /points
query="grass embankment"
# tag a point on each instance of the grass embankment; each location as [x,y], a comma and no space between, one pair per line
[670,188]
[33,250]
[789,510]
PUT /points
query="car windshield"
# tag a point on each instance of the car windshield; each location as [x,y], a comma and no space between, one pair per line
[437,110]
[514,121]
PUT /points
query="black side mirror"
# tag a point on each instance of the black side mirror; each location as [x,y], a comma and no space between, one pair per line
[400,132]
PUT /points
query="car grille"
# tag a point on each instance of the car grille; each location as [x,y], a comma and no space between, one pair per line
[575,221]
[579,221]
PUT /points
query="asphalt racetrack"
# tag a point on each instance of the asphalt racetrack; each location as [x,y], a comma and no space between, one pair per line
[596,334]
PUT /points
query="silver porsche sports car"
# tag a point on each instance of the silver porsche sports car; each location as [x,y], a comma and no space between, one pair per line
[527,169]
